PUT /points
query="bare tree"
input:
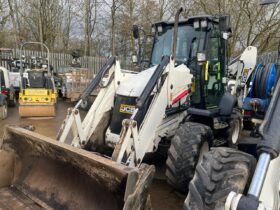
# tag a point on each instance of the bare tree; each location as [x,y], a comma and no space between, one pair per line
[90,8]
[67,22]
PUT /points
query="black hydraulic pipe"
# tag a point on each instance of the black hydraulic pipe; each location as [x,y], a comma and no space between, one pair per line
[152,82]
[96,80]
[270,127]
[175,32]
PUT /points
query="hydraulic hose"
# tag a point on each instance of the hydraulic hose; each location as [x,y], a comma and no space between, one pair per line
[95,82]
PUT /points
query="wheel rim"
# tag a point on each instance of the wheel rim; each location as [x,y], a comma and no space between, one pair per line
[235,133]
[203,150]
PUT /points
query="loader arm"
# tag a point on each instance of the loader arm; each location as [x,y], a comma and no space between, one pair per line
[137,140]
[99,112]
[95,82]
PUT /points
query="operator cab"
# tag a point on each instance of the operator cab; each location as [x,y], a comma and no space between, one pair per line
[201,46]
[38,74]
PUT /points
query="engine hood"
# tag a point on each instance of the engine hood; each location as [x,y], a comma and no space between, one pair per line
[134,86]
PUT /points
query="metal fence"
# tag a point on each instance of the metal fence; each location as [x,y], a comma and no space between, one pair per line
[58,60]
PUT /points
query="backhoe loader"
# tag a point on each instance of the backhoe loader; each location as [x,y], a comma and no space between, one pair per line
[179,102]
[176,98]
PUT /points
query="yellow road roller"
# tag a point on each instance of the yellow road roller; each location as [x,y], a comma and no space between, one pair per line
[38,94]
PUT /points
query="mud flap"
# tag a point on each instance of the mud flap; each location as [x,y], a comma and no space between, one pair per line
[47,174]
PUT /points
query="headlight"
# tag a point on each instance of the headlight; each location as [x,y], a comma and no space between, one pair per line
[196,24]
[203,23]
[159,28]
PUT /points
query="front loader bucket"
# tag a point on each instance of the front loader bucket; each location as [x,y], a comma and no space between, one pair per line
[37,172]
[37,110]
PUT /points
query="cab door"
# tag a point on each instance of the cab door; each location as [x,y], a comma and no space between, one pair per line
[213,70]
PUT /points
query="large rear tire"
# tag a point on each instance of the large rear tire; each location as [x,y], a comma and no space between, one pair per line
[221,171]
[184,152]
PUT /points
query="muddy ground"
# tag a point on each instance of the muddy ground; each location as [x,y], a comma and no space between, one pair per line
[162,195]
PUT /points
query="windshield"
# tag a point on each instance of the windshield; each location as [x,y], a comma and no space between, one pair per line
[189,41]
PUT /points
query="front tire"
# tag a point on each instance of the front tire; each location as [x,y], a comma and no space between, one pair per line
[221,171]
[184,153]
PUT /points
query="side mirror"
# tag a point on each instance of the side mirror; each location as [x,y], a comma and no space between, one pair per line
[135,31]
[201,57]
[226,35]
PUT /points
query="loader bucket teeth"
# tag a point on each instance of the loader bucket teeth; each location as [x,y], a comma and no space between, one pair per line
[38,172]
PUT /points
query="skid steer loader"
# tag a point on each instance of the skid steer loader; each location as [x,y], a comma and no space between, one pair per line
[38,94]
[180,102]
